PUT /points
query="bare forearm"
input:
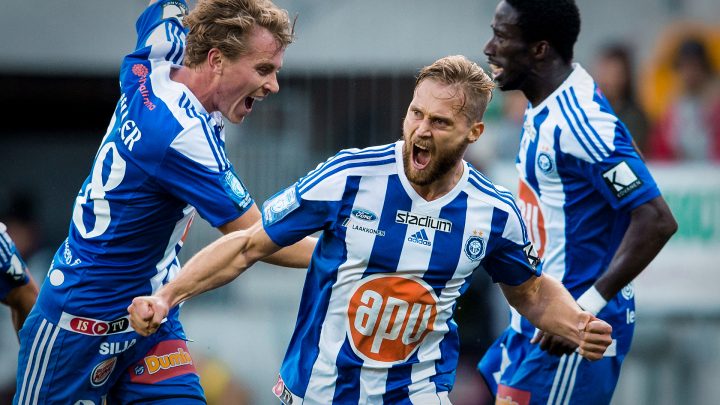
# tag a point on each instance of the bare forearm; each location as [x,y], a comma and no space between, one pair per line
[651,226]
[215,265]
[297,255]
[548,306]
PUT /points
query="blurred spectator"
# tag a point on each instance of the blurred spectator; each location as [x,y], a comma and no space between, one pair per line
[20,217]
[690,127]
[614,75]
[501,139]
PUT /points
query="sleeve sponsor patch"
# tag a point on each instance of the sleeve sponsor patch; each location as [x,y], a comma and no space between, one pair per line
[174,9]
[531,255]
[280,205]
[236,190]
[622,180]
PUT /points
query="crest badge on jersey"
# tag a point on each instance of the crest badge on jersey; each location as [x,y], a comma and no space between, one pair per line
[280,205]
[622,180]
[475,247]
[235,189]
[545,163]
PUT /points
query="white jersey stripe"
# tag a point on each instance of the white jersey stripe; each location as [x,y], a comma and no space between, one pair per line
[571,386]
[348,153]
[324,372]
[43,369]
[586,122]
[574,131]
[35,358]
[337,166]
[556,380]
[579,127]
[29,364]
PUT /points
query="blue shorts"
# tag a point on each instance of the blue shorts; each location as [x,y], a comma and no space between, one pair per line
[59,366]
[516,370]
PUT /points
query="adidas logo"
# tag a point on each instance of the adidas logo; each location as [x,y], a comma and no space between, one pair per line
[420,237]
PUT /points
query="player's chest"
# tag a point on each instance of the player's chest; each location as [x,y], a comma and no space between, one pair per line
[452,241]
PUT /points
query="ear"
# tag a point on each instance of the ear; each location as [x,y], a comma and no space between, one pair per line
[476,130]
[215,60]
[540,50]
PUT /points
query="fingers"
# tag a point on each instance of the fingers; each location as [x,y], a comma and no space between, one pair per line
[145,315]
[596,337]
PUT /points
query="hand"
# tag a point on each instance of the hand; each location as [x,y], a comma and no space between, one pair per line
[147,314]
[595,337]
[553,344]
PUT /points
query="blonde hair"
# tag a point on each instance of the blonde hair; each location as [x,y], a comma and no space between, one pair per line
[475,85]
[226,25]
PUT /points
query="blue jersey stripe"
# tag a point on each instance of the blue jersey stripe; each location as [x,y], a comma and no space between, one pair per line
[587,123]
[445,367]
[530,174]
[304,345]
[341,158]
[170,37]
[398,380]
[303,189]
[572,129]
[442,266]
[5,248]
[347,387]
[386,250]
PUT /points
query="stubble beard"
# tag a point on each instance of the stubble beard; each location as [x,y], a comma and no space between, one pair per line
[439,166]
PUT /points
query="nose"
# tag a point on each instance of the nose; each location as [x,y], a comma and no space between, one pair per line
[489,49]
[424,128]
[272,84]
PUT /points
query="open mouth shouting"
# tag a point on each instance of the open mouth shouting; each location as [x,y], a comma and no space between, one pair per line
[420,156]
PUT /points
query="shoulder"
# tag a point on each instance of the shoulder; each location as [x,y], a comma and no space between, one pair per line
[482,188]
[589,128]
[376,160]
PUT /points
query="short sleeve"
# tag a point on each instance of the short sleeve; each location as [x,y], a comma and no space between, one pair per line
[218,195]
[12,267]
[512,259]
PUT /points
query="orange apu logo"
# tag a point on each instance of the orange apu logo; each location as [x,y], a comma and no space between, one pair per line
[532,215]
[389,315]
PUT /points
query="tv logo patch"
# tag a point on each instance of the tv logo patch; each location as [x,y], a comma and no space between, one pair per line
[622,180]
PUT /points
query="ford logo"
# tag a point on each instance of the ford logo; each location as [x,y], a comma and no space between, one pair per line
[365,215]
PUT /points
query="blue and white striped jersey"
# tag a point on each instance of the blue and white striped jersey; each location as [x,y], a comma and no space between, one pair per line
[580,176]
[375,323]
[13,271]
[161,158]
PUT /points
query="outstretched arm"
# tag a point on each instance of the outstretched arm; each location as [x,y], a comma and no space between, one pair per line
[215,265]
[550,307]
[297,255]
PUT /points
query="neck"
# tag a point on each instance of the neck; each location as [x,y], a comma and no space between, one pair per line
[441,186]
[197,82]
[546,81]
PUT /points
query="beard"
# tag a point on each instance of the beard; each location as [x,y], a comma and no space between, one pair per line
[440,164]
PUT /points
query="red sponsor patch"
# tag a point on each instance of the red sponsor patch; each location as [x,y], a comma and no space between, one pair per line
[102,371]
[511,396]
[167,359]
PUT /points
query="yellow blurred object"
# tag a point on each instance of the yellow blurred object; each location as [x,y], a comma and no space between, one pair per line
[658,81]
[221,388]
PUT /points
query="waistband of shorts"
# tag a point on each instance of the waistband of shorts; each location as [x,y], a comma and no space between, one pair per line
[94,327]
